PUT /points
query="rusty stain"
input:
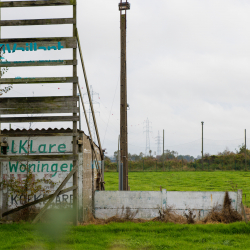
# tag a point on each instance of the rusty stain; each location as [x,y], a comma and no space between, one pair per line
[211,200]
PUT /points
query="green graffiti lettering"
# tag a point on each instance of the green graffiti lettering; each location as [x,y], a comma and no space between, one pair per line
[54,170]
[64,167]
[13,166]
[44,148]
[21,147]
[32,165]
[12,147]
[71,166]
[31,146]
[51,146]
[45,165]
[22,168]
[38,166]
[62,148]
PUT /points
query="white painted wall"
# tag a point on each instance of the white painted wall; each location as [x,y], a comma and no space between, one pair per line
[148,203]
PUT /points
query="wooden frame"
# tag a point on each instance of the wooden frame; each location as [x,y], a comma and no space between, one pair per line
[22,106]
[38,63]
[37,3]
[37,22]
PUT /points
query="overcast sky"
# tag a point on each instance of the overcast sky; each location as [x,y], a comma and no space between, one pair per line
[187,61]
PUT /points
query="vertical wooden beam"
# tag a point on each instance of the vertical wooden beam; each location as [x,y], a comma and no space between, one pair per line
[75,176]
[90,100]
[123,104]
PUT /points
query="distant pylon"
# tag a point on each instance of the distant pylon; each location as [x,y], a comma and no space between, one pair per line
[147,128]
[158,142]
[90,117]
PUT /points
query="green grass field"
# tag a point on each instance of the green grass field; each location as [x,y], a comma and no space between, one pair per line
[142,236]
[116,236]
[185,181]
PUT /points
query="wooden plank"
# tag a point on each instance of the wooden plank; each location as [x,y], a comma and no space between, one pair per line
[38,63]
[43,80]
[37,22]
[36,3]
[39,119]
[34,44]
[40,110]
[64,191]
[17,134]
[74,170]
[48,157]
[38,99]
[66,104]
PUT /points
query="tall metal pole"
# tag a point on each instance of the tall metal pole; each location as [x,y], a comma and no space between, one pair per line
[123,7]
[245,150]
[163,152]
[202,143]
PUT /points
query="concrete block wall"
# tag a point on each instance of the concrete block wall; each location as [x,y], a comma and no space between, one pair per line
[146,204]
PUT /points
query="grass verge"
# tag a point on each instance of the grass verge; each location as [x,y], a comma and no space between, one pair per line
[149,235]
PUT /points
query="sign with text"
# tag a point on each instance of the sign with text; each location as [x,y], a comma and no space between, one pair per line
[56,171]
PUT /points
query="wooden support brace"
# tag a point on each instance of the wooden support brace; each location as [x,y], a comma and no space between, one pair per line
[37,201]
[54,195]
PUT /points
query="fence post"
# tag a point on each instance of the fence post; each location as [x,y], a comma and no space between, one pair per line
[182,163]
[156,165]
[143,165]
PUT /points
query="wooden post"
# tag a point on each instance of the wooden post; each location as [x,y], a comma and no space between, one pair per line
[123,104]
[75,176]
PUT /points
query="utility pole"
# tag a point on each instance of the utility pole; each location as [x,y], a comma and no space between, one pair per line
[163,152]
[202,143]
[245,150]
[123,7]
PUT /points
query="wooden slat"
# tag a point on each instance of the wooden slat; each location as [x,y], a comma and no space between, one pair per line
[39,119]
[38,63]
[42,80]
[64,191]
[74,170]
[66,104]
[41,110]
[50,157]
[38,99]
[37,22]
[17,134]
[36,3]
[66,42]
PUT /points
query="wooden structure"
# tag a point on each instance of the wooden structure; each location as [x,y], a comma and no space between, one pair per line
[51,104]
